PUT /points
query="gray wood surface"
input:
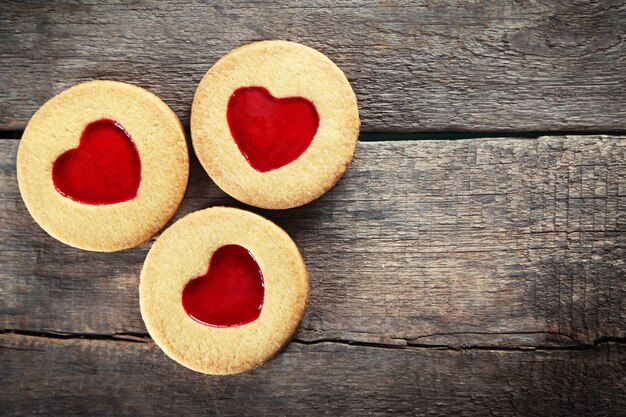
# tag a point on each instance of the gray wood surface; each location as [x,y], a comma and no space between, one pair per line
[415,66]
[493,243]
[98,377]
[475,277]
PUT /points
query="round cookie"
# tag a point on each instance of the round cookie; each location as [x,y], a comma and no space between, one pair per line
[222,290]
[103,165]
[275,124]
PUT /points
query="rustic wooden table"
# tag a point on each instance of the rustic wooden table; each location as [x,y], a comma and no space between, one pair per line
[483,275]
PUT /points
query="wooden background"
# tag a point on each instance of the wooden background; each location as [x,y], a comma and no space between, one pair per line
[484,275]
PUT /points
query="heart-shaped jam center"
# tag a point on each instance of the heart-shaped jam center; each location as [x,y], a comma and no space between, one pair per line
[271,132]
[104,169]
[230,293]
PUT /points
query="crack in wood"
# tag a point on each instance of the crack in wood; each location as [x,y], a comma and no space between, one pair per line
[409,344]
[398,343]
[131,337]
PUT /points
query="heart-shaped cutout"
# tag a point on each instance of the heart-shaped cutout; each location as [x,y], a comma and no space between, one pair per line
[103,169]
[271,132]
[230,293]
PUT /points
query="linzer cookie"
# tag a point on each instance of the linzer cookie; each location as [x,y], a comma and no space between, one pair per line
[103,165]
[222,290]
[275,124]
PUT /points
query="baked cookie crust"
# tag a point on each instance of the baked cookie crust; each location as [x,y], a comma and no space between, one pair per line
[183,252]
[286,69]
[57,127]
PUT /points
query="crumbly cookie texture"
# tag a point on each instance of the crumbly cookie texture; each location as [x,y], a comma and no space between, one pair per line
[183,252]
[57,127]
[286,69]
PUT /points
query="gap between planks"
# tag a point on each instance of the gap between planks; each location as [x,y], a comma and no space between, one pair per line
[392,135]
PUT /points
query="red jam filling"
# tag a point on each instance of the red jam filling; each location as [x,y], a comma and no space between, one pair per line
[103,169]
[230,293]
[271,132]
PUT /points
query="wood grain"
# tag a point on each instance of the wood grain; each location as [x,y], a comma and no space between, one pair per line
[492,243]
[83,377]
[415,66]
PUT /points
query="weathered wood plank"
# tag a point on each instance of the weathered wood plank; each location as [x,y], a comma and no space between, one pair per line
[494,242]
[83,377]
[415,66]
